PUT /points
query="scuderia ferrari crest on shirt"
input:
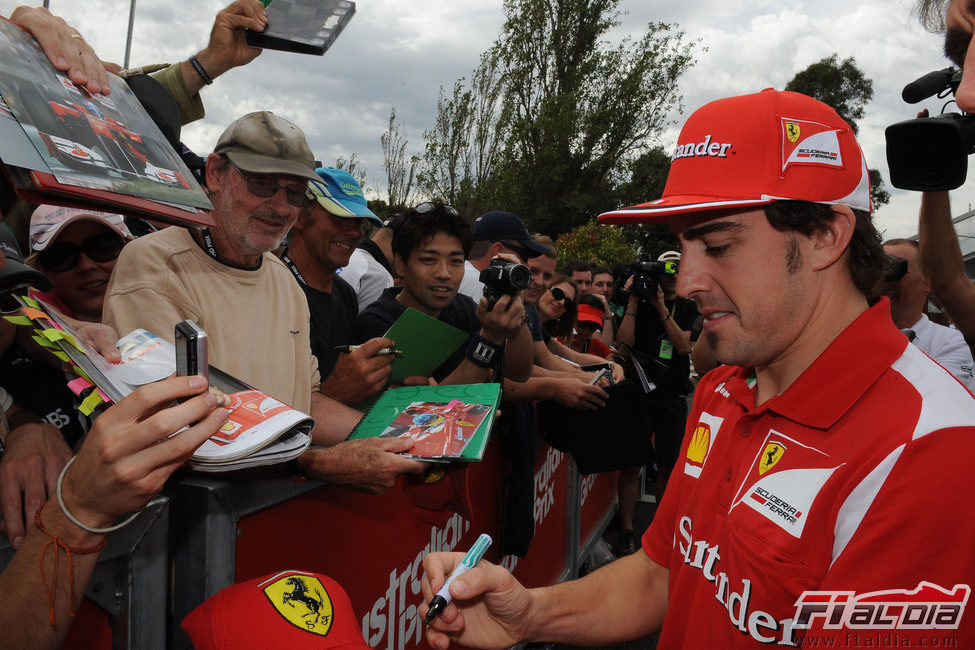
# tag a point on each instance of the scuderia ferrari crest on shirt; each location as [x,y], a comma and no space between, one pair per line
[784,480]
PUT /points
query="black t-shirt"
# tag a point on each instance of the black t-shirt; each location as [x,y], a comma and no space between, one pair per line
[650,338]
[43,390]
[535,324]
[333,321]
[376,319]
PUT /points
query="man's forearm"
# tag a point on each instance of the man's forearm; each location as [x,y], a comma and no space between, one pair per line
[540,388]
[334,421]
[941,261]
[627,331]
[624,600]
[566,352]
[547,360]
[518,356]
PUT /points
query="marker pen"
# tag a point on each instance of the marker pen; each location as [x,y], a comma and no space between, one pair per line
[383,352]
[443,597]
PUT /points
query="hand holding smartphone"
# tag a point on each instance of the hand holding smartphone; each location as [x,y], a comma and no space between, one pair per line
[192,350]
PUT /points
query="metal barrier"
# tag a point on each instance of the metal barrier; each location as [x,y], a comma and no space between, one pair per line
[210,533]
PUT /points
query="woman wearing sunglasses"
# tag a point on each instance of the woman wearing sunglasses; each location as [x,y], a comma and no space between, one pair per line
[557,306]
[76,250]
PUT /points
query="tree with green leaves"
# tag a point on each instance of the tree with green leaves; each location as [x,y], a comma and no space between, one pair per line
[600,245]
[843,86]
[565,110]
[464,148]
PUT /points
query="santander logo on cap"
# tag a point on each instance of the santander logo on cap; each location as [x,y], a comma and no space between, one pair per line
[704,148]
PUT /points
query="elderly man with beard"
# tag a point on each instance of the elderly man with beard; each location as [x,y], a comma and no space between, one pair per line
[226,279]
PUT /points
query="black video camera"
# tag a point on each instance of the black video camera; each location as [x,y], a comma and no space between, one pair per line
[504,278]
[646,277]
[930,154]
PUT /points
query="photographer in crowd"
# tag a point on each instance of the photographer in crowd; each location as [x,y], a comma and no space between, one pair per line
[940,253]
[429,251]
[659,325]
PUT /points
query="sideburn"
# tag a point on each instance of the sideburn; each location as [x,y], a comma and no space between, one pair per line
[793,256]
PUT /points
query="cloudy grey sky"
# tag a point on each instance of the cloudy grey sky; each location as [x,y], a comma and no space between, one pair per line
[396,53]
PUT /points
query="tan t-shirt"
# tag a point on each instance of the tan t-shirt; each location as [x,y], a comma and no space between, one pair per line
[257,321]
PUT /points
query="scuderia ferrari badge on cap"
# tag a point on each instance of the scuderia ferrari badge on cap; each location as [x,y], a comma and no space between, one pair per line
[303,601]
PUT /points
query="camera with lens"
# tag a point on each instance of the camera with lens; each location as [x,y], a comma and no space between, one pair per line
[930,154]
[503,278]
[646,277]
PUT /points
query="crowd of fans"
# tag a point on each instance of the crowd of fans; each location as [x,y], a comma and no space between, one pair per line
[286,270]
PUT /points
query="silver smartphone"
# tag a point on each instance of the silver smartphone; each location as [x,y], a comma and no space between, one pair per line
[192,350]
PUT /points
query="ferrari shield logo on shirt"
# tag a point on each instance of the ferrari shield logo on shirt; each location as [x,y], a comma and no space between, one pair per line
[772,454]
[302,600]
[701,443]
[809,143]
[782,486]
[792,131]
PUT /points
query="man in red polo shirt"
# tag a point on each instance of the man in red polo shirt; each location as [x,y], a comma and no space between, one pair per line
[821,489]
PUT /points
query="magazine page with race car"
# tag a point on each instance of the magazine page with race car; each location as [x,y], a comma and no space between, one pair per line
[92,150]
[445,423]
[261,430]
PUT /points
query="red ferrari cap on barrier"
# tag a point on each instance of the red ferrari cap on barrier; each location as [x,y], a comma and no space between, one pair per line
[752,150]
[291,609]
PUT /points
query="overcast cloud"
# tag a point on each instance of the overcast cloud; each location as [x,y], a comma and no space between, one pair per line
[396,53]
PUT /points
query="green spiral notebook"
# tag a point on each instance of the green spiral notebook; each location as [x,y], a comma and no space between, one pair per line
[447,423]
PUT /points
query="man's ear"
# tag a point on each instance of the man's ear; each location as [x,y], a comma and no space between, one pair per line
[299,224]
[216,168]
[831,240]
[399,264]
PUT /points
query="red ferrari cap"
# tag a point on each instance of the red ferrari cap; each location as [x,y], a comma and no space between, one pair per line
[753,150]
[291,609]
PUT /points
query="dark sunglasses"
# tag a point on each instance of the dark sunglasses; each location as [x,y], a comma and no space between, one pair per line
[560,296]
[430,206]
[266,186]
[64,256]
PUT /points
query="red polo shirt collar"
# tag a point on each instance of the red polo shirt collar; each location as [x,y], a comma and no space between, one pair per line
[837,378]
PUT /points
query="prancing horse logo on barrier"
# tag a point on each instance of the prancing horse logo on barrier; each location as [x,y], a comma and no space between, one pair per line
[303,601]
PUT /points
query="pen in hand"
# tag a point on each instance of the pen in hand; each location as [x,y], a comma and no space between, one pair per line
[383,352]
[443,597]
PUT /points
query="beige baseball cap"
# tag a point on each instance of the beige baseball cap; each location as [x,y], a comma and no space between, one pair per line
[263,143]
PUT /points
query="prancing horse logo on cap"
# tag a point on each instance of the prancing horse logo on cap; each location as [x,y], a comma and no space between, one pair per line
[792,131]
[303,601]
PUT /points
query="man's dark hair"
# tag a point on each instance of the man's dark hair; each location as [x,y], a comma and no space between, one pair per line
[867,259]
[572,266]
[932,13]
[596,270]
[416,229]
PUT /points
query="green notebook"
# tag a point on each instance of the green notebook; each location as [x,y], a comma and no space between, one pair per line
[425,343]
[447,423]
